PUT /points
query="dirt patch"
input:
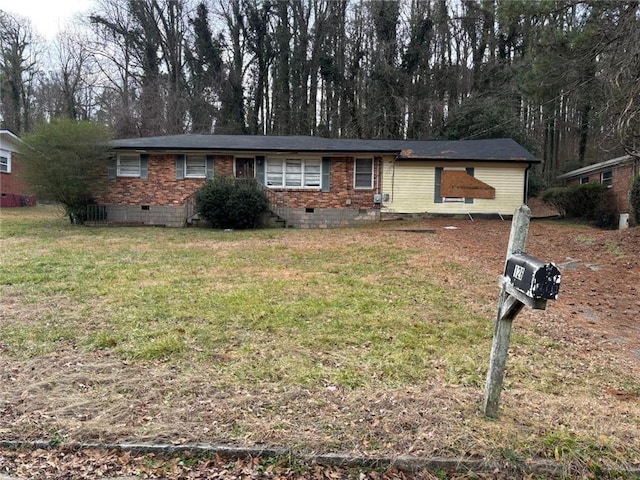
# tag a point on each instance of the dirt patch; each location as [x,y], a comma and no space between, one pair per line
[600,291]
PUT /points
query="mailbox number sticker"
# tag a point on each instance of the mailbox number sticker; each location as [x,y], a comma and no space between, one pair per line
[518,272]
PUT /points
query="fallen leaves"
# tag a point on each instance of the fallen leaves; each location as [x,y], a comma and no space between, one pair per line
[95,464]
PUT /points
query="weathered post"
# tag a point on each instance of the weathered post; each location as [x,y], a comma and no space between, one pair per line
[526,281]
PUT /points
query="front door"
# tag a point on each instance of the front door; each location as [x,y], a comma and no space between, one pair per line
[245,167]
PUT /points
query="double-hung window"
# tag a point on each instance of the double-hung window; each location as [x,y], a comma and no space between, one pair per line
[606,178]
[128,165]
[5,162]
[195,166]
[293,172]
[363,173]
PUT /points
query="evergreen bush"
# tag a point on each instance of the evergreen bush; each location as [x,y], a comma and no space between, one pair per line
[231,203]
[591,201]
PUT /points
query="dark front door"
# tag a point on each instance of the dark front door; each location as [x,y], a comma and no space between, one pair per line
[245,167]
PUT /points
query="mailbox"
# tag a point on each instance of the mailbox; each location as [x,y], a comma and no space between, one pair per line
[533,277]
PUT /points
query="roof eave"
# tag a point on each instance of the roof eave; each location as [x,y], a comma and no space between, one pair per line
[595,167]
[183,148]
[465,159]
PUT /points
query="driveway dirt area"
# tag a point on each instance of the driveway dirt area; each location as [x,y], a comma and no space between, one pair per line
[599,301]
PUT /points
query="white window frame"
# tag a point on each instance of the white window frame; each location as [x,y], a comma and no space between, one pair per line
[608,182]
[355,173]
[131,174]
[5,162]
[584,180]
[203,167]
[281,172]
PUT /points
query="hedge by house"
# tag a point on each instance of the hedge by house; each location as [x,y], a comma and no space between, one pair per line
[591,201]
[229,203]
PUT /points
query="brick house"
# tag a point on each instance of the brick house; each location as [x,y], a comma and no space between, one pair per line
[617,174]
[317,182]
[13,192]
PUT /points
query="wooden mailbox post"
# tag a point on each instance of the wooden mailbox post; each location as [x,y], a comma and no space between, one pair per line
[526,281]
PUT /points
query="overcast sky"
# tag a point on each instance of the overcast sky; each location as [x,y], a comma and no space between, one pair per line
[48,16]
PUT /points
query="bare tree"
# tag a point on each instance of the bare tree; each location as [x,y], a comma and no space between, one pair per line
[232,114]
[621,68]
[205,72]
[153,33]
[20,52]
[69,89]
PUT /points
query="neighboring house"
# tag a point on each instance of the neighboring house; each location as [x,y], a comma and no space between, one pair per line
[13,192]
[617,174]
[317,182]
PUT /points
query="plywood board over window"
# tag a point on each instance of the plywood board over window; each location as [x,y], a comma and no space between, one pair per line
[458,183]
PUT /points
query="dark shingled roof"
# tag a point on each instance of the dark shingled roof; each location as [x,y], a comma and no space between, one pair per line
[501,149]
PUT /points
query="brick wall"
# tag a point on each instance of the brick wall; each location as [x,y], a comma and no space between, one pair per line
[161,189]
[342,193]
[13,192]
[622,181]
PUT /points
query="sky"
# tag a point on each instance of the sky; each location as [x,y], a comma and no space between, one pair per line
[48,16]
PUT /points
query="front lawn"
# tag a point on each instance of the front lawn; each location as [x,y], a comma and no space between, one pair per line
[371,341]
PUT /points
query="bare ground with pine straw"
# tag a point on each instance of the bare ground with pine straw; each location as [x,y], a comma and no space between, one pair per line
[571,394]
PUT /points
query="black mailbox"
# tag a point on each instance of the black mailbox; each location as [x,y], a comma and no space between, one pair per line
[533,277]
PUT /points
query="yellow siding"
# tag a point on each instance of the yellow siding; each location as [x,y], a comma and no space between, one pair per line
[411,185]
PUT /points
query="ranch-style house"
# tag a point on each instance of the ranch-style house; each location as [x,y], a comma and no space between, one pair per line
[317,182]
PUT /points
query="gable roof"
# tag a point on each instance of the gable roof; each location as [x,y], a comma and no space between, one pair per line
[502,149]
[596,166]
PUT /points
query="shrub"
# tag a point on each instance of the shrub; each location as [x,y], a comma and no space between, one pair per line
[591,201]
[229,203]
[64,161]
[634,199]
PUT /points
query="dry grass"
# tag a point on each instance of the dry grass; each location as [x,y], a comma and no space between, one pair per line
[370,341]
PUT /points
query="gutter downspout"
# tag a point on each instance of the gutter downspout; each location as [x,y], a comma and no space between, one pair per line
[526,183]
[393,176]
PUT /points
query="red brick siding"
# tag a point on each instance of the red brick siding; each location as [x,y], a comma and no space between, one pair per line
[622,181]
[342,189]
[162,188]
[621,184]
[10,182]
[13,190]
[223,165]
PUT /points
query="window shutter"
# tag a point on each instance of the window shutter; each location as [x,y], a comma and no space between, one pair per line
[437,197]
[325,183]
[260,169]
[470,173]
[179,167]
[144,166]
[209,167]
[112,167]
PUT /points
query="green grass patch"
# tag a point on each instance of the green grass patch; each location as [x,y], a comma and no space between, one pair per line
[266,306]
